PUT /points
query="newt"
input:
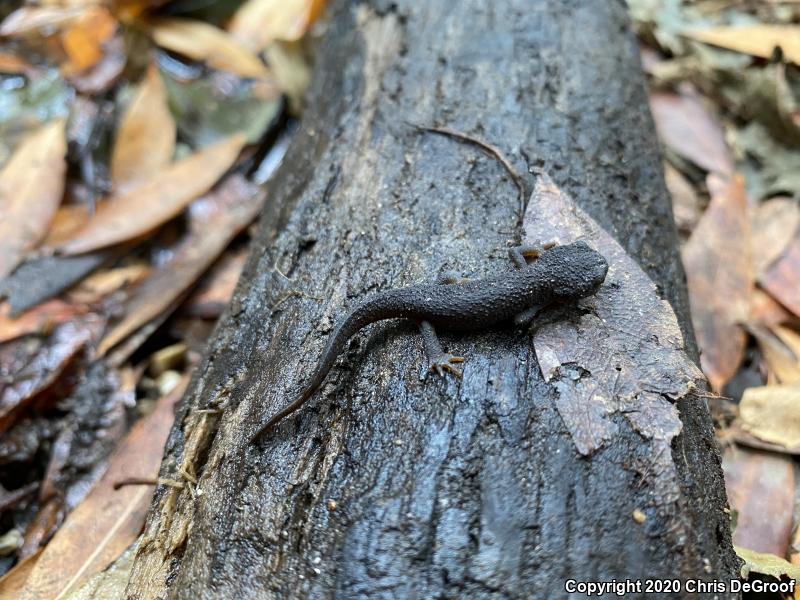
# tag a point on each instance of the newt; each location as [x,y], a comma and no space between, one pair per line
[558,273]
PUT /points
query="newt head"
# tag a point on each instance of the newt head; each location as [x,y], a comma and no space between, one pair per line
[577,270]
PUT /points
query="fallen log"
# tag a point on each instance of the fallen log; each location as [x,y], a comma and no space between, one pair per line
[510,481]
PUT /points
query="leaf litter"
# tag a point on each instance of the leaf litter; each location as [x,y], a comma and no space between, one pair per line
[725,90]
[128,140]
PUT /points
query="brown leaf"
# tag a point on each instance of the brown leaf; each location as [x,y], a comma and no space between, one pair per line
[760,488]
[108,520]
[13,582]
[145,141]
[214,221]
[685,203]
[157,200]
[257,23]
[32,19]
[770,414]
[111,581]
[603,368]
[83,39]
[766,311]
[102,76]
[774,224]
[781,362]
[31,186]
[756,40]
[38,320]
[782,278]
[292,72]
[215,292]
[203,42]
[28,366]
[687,128]
[107,281]
[13,64]
[720,279]
[68,219]
[44,524]
[740,436]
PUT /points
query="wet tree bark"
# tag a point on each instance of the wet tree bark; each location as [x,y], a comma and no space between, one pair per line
[387,485]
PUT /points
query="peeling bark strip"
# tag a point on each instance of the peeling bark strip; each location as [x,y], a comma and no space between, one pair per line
[390,486]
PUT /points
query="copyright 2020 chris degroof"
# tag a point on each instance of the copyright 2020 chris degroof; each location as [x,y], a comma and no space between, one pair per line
[623,587]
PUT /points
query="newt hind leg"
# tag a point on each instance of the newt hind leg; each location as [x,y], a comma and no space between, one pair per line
[526,316]
[439,360]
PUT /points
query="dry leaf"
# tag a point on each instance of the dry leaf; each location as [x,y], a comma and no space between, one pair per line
[214,293]
[688,129]
[782,279]
[685,203]
[14,65]
[780,360]
[165,195]
[774,224]
[83,39]
[108,520]
[107,281]
[214,221]
[292,72]
[766,311]
[31,187]
[789,337]
[111,581]
[13,582]
[203,42]
[31,19]
[720,280]
[28,366]
[68,219]
[145,141]
[257,23]
[770,413]
[760,488]
[757,40]
[42,526]
[604,370]
[766,564]
[103,75]
[40,320]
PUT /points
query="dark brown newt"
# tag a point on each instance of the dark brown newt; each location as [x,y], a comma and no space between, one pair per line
[558,273]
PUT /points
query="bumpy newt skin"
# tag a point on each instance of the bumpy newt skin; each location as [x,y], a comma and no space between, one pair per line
[559,273]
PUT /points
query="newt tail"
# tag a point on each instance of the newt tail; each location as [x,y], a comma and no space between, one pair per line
[376,309]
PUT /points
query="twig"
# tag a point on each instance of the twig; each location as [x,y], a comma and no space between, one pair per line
[486,147]
[145,481]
